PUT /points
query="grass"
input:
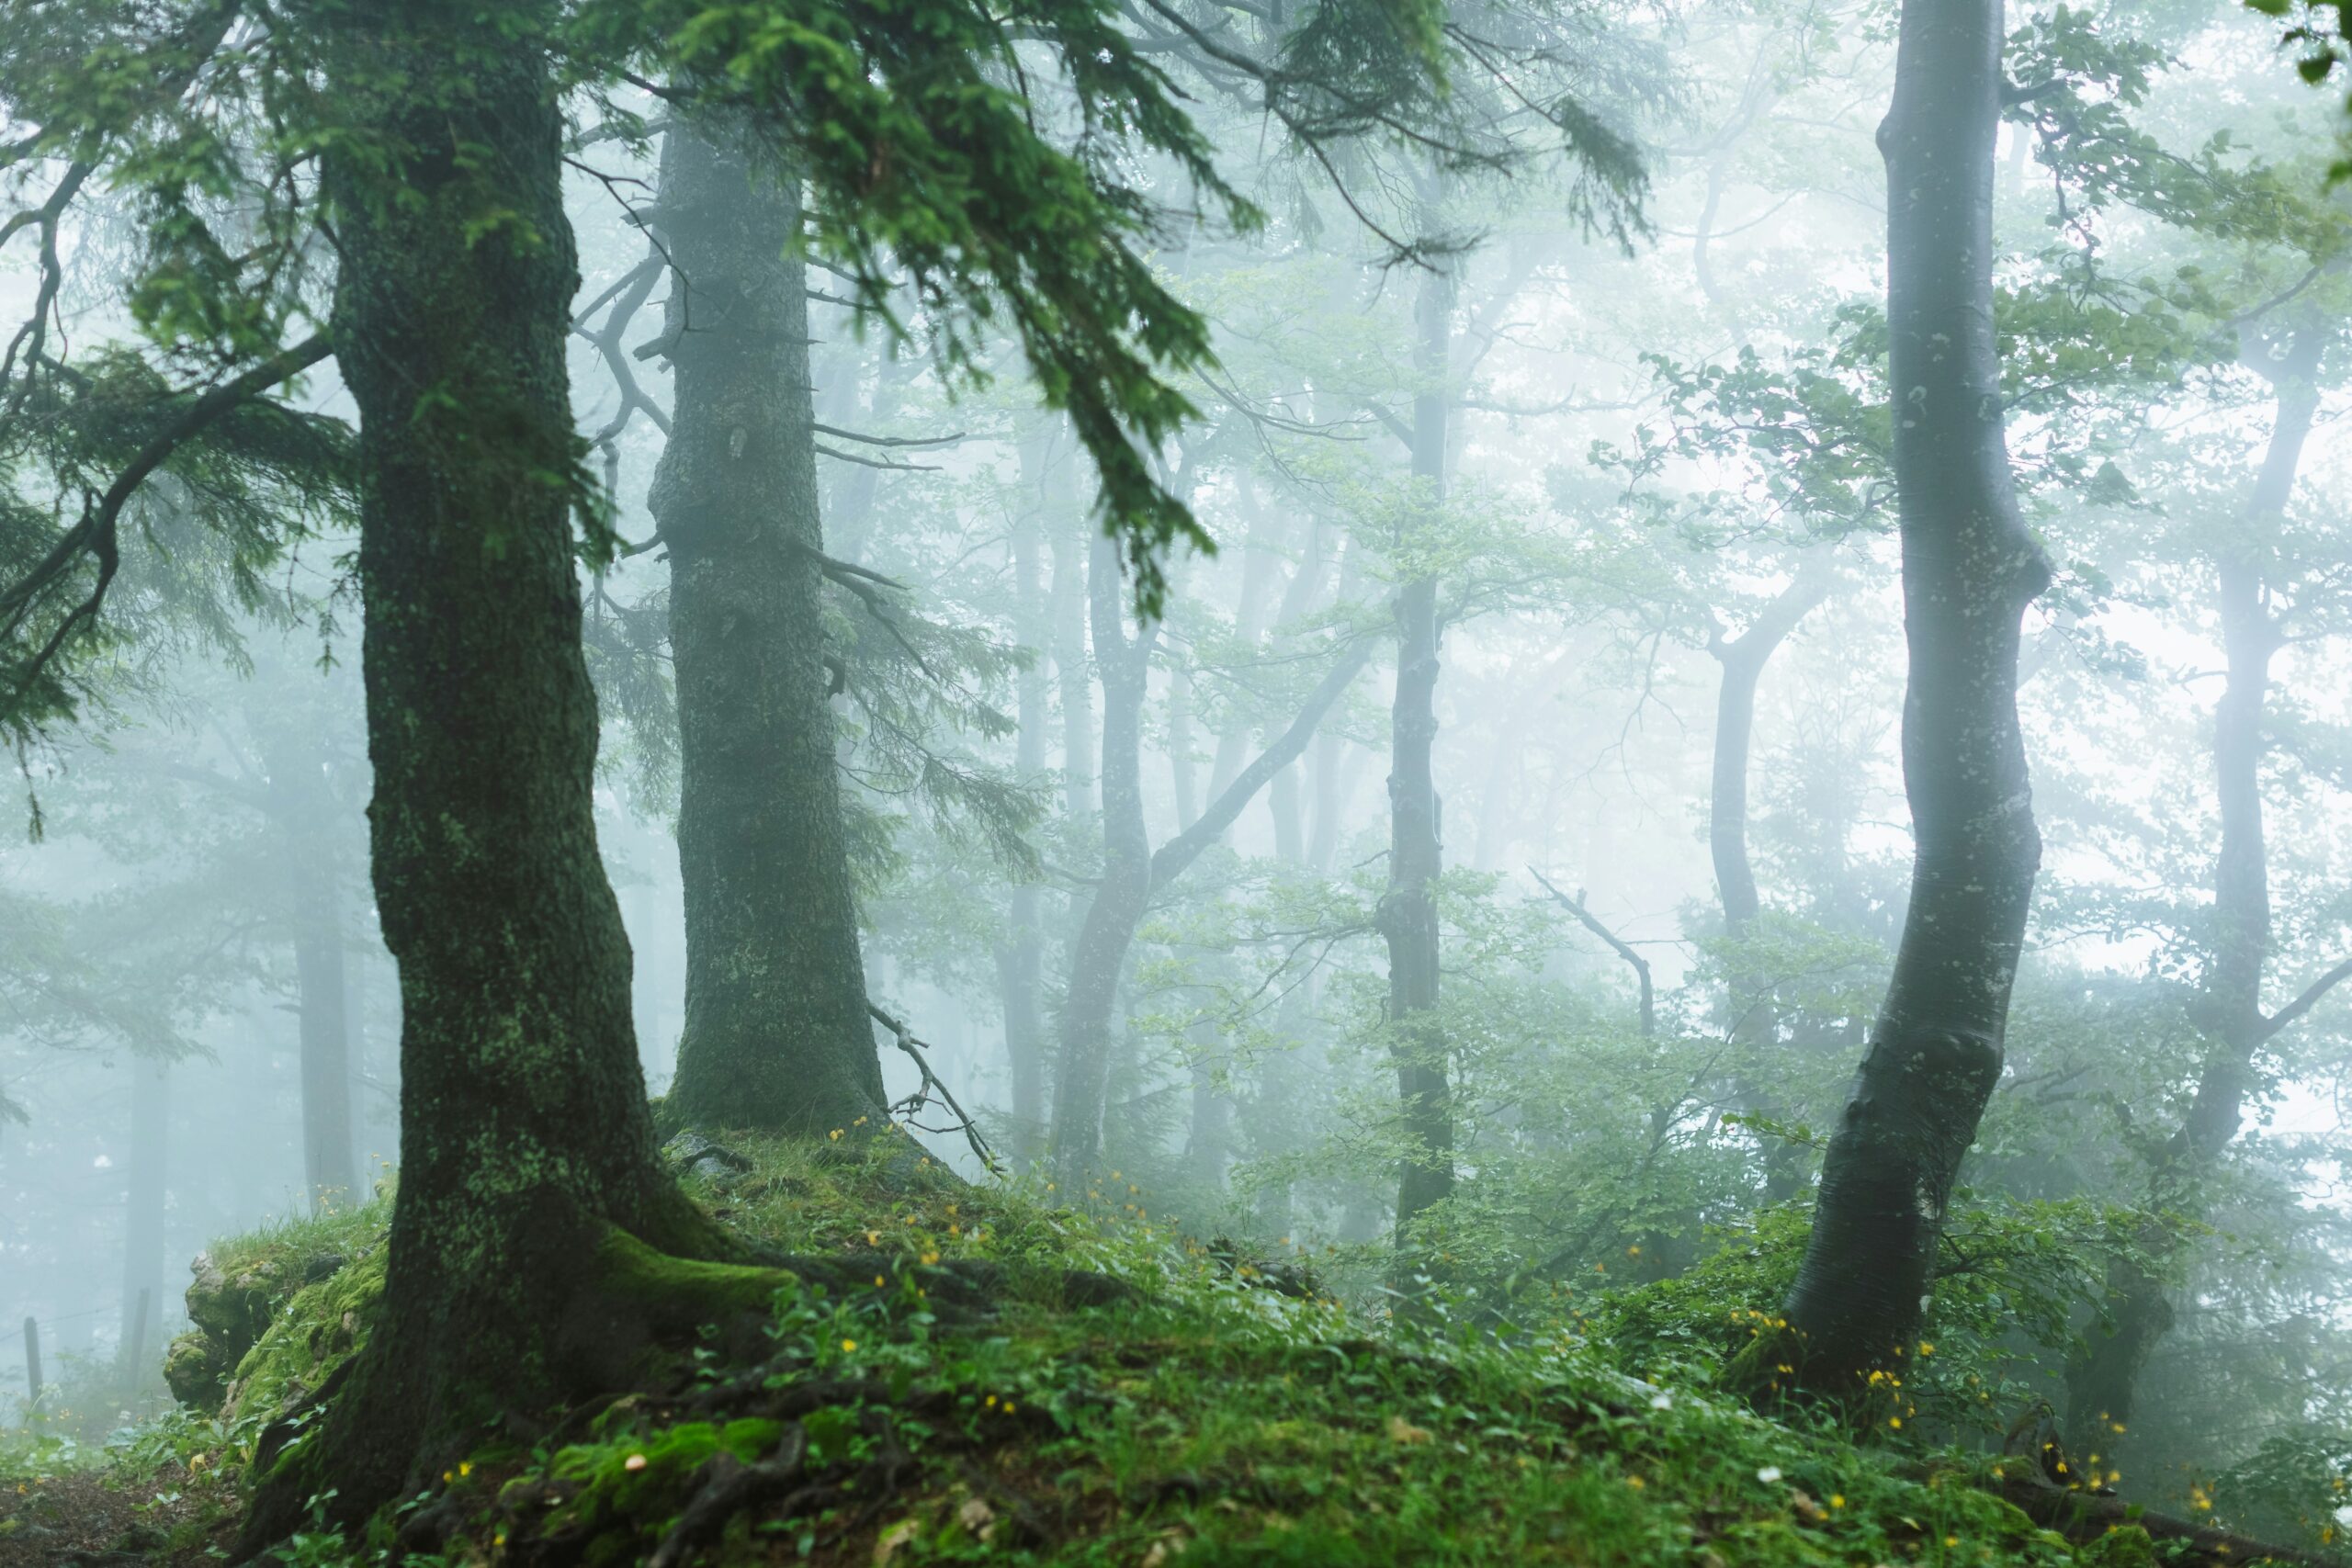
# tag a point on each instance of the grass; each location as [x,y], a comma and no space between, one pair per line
[1199,1414]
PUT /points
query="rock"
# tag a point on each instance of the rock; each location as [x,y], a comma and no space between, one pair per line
[195,1372]
[324,1264]
[691,1154]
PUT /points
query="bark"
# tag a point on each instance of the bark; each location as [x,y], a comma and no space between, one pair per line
[1132,871]
[776,1032]
[1969,570]
[2103,1383]
[1407,912]
[525,1136]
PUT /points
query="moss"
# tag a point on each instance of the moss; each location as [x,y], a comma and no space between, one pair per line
[244,1283]
[1201,1416]
[317,1330]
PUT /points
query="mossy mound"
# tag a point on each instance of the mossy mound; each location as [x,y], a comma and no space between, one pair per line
[966,1374]
[243,1285]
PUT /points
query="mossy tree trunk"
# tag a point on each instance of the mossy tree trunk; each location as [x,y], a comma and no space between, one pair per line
[1970,569]
[777,1035]
[525,1135]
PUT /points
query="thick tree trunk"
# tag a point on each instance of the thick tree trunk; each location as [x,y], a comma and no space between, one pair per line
[526,1138]
[2103,1383]
[1408,913]
[1068,605]
[776,1034]
[1969,570]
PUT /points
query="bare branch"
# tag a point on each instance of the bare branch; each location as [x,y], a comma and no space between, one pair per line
[1641,965]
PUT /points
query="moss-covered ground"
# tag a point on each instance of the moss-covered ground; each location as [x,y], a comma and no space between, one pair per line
[984,1378]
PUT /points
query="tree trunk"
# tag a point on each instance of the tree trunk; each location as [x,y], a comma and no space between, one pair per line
[1408,913]
[1082,1069]
[525,1139]
[2103,1383]
[1969,570]
[320,987]
[777,1035]
[144,1192]
[1021,957]
[1743,659]
[1755,1019]
[1131,872]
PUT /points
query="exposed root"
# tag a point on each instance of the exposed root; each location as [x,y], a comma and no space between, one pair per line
[2088,1515]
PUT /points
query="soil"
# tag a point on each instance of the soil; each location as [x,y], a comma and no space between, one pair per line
[80,1519]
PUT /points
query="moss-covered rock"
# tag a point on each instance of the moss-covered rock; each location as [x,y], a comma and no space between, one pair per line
[243,1285]
[319,1327]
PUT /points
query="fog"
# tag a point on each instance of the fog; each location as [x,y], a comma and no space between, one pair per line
[1660,450]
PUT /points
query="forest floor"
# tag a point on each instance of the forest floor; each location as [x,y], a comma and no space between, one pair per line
[980,1377]
[71,1515]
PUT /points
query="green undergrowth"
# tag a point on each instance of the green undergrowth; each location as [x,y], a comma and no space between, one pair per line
[964,1386]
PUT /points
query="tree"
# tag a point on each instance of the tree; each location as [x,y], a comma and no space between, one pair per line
[1132,869]
[1970,569]
[776,1030]
[437,133]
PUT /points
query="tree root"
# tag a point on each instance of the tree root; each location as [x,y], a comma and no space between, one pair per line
[2086,1515]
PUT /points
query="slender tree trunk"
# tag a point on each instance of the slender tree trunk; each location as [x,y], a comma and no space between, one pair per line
[2103,1383]
[1969,570]
[1083,1065]
[320,987]
[525,1139]
[1070,551]
[145,1191]
[1755,1019]
[1408,913]
[776,1034]
[1021,957]
[1132,871]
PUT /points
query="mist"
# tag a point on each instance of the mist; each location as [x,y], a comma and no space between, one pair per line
[1411,790]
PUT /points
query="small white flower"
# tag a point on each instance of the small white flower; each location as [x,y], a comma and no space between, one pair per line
[1768,1474]
[1662,1402]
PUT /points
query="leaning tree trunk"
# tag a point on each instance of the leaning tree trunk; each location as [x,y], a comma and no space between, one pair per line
[1969,570]
[526,1150]
[777,1035]
[1408,913]
[2103,1382]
